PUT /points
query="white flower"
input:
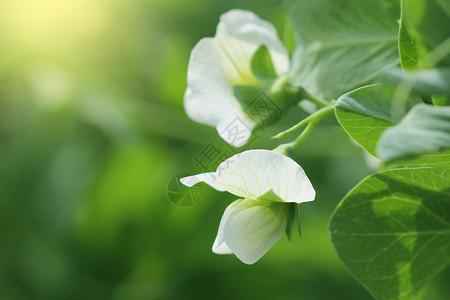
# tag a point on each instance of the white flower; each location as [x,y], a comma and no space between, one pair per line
[219,63]
[266,181]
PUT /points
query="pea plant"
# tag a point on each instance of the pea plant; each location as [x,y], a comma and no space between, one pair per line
[382,69]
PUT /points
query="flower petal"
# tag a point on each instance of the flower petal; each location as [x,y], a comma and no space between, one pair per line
[262,175]
[209,97]
[250,229]
[216,64]
[208,178]
[219,246]
[239,34]
[236,131]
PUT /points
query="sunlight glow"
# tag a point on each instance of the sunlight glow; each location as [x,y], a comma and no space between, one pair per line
[44,24]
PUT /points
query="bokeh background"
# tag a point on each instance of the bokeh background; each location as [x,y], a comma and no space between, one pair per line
[92,130]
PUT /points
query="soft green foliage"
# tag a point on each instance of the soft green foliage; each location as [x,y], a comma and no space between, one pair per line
[425,129]
[423,82]
[439,159]
[428,24]
[342,44]
[376,101]
[366,131]
[380,230]
[411,51]
[392,230]
[367,112]
[93,128]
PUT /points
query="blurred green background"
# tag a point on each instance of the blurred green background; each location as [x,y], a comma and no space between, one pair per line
[92,130]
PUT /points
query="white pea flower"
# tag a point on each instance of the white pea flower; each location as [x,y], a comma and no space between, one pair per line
[217,65]
[266,181]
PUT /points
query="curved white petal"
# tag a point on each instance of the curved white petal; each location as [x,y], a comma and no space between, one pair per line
[219,246]
[236,130]
[209,97]
[239,34]
[261,175]
[250,229]
[208,178]
[216,64]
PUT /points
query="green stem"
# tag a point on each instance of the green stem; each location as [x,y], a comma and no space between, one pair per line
[286,148]
[315,117]
[304,134]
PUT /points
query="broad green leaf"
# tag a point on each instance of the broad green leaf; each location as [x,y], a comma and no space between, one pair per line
[411,51]
[427,21]
[425,25]
[423,82]
[376,101]
[424,42]
[439,159]
[425,129]
[420,50]
[392,231]
[342,44]
[366,112]
[364,130]
[262,65]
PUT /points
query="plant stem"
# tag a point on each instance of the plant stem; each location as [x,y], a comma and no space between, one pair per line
[304,134]
[307,96]
[288,147]
[315,117]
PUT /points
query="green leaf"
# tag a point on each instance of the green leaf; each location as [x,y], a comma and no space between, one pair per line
[425,129]
[364,130]
[425,25]
[423,82]
[262,65]
[427,22]
[426,46]
[366,112]
[392,231]
[439,159]
[411,51]
[342,44]
[376,101]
